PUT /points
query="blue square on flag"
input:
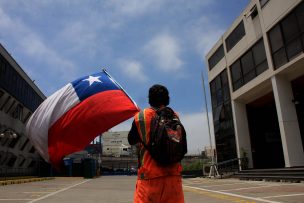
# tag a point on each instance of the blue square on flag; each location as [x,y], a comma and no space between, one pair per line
[93,84]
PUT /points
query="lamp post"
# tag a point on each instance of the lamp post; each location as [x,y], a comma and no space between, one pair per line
[9,134]
[213,167]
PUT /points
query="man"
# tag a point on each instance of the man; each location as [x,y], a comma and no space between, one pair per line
[155,183]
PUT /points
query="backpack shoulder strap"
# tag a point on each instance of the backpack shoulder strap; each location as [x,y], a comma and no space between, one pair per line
[142,126]
[143,136]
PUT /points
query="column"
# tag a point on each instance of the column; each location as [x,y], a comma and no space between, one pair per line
[242,135]
[288,122]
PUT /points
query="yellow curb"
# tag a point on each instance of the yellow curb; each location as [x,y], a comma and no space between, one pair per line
[20,181]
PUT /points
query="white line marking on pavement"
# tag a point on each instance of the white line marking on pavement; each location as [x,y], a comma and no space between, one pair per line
[234,195]
[290,195]
[247,188]
[15,199]
[51,194]
[227,184]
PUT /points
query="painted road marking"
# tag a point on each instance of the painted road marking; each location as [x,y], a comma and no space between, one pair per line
[248,188]
[290,195]
[230,194]
[15,199]
[229,184]
[53,193]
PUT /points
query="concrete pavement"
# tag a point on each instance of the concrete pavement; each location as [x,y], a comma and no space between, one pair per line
[120,189]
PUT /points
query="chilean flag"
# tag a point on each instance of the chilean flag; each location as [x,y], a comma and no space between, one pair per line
[72,117]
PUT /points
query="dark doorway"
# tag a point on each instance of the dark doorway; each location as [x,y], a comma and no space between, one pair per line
[298,94]
[265,135]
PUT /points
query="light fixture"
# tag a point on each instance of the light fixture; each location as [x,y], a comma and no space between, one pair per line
[296,102]
[8,133]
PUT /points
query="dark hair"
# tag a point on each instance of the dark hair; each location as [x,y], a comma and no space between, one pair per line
[158,96]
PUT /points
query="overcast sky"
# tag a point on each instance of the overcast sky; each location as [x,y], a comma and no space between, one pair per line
[139,42]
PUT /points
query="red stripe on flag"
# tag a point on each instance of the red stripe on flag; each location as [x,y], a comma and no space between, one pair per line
[80,125]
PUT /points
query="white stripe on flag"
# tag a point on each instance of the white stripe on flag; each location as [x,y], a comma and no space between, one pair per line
[47,114]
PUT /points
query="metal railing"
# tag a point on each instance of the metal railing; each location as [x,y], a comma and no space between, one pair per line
[230,167]
[7,173]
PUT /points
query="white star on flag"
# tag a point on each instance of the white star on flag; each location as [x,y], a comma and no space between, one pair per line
[92,79]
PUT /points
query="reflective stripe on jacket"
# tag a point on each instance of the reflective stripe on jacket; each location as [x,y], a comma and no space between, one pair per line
[149,168]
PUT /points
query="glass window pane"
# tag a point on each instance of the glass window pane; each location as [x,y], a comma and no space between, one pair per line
[300,16]
[249,76]
[275,38]
[1,93]
[294,48]
[259,52]
[238,84]
[235,36]
[216,57]
[261,68]
[236,72]
[224,77]
[290,27]
[218,83]
[213,98]
[279,58]
[226,93]
[247,62]
[219,97]
[212,86]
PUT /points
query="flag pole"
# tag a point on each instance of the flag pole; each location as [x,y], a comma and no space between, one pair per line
[213,166]
[106,72]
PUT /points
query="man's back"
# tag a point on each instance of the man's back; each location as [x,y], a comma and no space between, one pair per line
[155,183]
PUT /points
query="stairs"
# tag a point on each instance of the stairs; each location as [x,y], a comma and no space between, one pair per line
[281,174]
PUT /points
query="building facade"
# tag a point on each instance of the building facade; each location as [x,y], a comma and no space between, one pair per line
[256,79]
[116,144]
[19,97]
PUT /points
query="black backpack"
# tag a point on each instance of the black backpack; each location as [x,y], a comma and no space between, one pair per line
[168,142]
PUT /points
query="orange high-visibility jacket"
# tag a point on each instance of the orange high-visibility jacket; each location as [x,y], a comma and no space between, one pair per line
[149,168]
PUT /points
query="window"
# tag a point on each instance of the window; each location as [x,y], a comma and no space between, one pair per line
[289,27]
[300,16]
[248,66]
[18,112]
[1,93]
[236,35]
[287,37]
[220,92]
[2,68]
[6,101]
[254,12]
[236,73]
[27,117]
[259,54]
[11,106]
[222,117]
[263,3]
[15,85]
[11,161]
[22,162]
[32,150]
[216,57]
[24,144]
[247,63]
[32,164]
[275,38]
[14,142]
